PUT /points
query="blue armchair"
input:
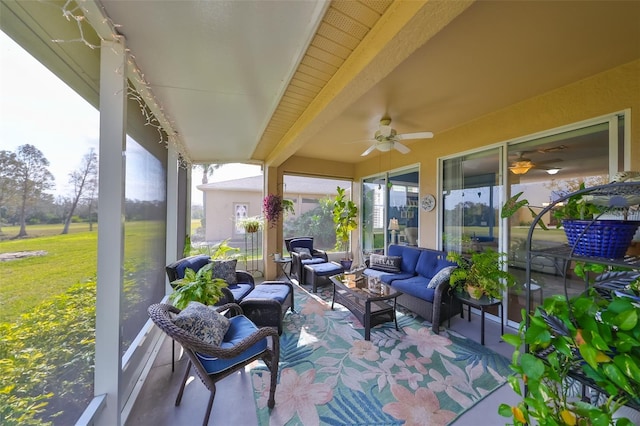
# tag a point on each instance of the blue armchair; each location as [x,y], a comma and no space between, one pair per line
[303,253]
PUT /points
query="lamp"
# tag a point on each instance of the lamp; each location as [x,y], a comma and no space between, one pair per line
[553,171]
[393,227]
[521,167]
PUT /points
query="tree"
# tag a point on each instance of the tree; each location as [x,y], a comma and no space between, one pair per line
[8,170]
[207,170]
[32,179]
[83,180]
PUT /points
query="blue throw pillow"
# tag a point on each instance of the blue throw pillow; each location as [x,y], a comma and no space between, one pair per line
[203,322]
[225,270]
[441,276]
[385,263]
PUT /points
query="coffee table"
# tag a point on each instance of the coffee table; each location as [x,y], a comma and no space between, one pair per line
[370,308]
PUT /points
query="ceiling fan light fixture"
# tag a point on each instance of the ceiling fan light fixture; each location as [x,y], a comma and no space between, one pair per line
[385,146]
[521,167]
[553,171]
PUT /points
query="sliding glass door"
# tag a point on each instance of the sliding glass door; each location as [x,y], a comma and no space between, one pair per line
[471,195]
[390,210]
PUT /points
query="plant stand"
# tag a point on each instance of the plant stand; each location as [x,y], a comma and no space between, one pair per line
[251,253]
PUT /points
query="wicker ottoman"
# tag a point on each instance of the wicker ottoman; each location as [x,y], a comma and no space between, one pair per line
[267,303]
[312,272]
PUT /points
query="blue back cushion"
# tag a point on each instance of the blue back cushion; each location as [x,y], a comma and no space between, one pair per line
[431,262]
[192,262]
[409,256]
[303,243]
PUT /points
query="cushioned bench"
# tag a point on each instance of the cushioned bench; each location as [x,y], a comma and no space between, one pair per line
[267,303]
[313,271]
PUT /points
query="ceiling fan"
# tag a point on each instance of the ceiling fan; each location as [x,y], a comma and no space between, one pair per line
[386,138]
[521,165]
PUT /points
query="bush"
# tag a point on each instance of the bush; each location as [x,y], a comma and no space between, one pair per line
[47,353]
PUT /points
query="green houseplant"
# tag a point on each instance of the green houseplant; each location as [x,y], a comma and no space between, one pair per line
[481,274]
[588,337]
[580,216]
[344,215]
[252,224]
[197,286]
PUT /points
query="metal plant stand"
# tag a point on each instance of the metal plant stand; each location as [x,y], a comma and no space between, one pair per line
[251,253]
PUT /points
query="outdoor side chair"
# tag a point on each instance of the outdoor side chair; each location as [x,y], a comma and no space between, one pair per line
[242,344]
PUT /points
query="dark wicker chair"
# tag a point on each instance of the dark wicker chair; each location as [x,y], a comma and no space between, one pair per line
[213,363]
[297,261]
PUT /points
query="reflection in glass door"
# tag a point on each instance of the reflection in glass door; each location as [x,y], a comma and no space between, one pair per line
[373,202]
[551,167]
[471,202]
[390,210]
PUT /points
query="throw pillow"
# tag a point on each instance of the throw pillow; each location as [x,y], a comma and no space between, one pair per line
[225,270]
[385,263]
[303,252]
[203,322]
[441,276]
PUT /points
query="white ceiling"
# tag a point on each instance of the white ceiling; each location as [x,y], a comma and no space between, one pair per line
[218,69]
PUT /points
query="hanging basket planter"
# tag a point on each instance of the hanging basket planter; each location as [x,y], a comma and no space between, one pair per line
[601,238]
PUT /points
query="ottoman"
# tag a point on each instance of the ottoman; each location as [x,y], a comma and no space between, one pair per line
[267,303]
[312,272]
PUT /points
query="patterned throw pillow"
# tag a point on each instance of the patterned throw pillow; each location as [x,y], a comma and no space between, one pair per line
[385,263]
[304,252]
[441,276]
[203,322]
[225,270]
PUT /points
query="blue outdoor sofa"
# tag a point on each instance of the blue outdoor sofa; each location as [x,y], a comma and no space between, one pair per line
[422,275]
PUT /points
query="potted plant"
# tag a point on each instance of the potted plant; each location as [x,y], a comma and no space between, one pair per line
[273,205]
[197,286]
[590,338]
[482,274]
[344,215]
[580,216]
[251,224]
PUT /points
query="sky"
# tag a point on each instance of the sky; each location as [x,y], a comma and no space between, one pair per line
[37,108]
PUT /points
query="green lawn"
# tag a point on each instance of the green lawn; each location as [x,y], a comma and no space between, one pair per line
[69,259]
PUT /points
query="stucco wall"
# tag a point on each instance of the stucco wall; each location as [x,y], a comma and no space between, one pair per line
[604,93]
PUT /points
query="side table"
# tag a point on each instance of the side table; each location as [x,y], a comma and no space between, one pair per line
[482,303]
[282,264]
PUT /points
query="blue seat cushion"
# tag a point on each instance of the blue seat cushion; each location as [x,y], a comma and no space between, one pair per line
[313,261]
[415,286]
[278,292]
[386,277]
[240,290]
[325,268]
[240,328]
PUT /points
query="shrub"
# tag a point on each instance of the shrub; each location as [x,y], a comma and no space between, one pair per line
[45,353]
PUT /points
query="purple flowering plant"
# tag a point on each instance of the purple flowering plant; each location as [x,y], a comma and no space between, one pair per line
[273,205]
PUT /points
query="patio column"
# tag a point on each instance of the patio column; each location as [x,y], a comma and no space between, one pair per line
[113,113]
[271,237]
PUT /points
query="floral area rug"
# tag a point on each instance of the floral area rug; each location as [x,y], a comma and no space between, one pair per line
[330,375]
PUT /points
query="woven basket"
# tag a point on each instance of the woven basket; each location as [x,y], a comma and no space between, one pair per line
[601,238]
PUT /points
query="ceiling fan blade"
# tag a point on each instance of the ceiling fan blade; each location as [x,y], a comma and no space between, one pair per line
[401,148]
[368,151]
[418,135]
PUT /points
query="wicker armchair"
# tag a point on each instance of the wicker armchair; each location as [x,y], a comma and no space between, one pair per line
[243,344]
[298,262]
